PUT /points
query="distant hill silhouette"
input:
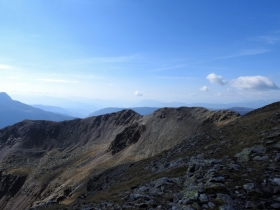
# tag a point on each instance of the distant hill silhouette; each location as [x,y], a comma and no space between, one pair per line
[241,110]
[54,109]
[139,110]
[149,110]
[159,104]
[12,111]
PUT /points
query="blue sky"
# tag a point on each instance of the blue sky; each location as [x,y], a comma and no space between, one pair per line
[189,51]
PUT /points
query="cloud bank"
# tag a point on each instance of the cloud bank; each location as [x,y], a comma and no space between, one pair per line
[214,78]
[254,83]
[138,93]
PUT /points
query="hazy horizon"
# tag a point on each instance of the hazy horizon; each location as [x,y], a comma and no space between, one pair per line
[95,104]
[124,52]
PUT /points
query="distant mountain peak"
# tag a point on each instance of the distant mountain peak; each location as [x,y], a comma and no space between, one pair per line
[4,97]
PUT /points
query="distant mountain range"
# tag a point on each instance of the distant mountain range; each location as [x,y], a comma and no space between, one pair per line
[139,110]
[12,111]
[154,103]
[241,110]
[149,110]
[56,109]
[98,107]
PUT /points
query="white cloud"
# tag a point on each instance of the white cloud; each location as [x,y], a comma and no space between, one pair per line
[213,78]
[102,60]
[170,68]
[218,94]
[230,91]
[175,78]
[269,39]
[13,77]
[242,53]
[4,66]
[59,80]
[254,83]
[247,53]
[138,93]
[192,94]
[204,88]
[272,38]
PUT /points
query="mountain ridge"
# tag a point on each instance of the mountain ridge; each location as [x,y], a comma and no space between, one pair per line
[149,110]
[139,110]
[14,111]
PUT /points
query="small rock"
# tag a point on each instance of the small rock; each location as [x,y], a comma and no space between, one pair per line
[249,169]
[269,142]
[205,206]
[250,187]
[195,206]
[142,205]
[275,205]
[227,207]
[177,197]
[276,181]
[163,181]
[243,156]
[211,205]
[143,188]
[277,146]
[203,198]
[217,179]
[225,198]
[258,158]
[277,199]
[214,186]
[191,194]
[233,166]
[276,190]
[277,159]
[249,205]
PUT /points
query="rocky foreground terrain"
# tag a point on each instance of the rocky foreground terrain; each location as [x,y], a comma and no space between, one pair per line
[185,158]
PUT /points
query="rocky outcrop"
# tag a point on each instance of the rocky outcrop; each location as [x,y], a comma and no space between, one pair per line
[10,184]
[130,135]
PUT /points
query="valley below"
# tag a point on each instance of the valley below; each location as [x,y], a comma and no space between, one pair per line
[174,158]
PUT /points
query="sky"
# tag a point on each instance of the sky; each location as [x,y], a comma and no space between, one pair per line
[128,51]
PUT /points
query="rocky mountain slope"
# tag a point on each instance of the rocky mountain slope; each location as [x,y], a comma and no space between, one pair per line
[12,111]
[234,166]
[45,163]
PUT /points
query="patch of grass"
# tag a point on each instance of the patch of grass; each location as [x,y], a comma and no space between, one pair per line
[20,171]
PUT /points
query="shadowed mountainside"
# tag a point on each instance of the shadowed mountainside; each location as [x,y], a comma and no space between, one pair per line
[56,159]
